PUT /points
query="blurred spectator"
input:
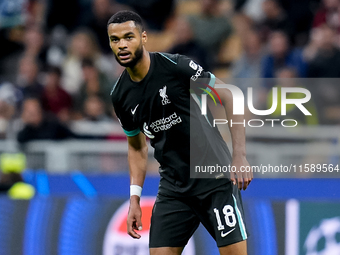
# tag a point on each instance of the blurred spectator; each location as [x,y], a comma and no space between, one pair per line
[154,12]
[328,14]
[37,126]
[94,110]
[275,19]
[17,43]
[7,112]
[56,50]
[286,77]
[70,14]
[83,45]
[55,99]
[314,44]
[35,13]
[102,11]
[326,60]
[10,93]
[252,8]
[323,61]
[281,55]
[186,45]
[27,78]
[9,98]
[210,28]
[249,64]
[62,12]
[95,84]
[300,17]
[21,43]
[34,43]
[10,52]
[248,67]
[96,121]
[11,180]
[13,13]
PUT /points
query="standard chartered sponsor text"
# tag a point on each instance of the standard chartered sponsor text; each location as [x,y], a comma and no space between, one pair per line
[165,123]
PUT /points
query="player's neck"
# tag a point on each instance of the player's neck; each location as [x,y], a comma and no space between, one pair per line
[140,70]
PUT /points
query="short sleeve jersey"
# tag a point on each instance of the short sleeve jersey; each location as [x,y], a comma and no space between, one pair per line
[163,107]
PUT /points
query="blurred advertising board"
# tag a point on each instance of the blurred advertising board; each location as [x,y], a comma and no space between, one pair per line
[86,215]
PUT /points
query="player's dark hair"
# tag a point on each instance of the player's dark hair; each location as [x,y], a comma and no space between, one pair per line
[124,16]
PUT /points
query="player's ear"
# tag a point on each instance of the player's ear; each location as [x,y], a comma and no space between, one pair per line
[144,37]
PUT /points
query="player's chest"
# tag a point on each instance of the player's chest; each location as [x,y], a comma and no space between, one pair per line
[156,97]
[157,105]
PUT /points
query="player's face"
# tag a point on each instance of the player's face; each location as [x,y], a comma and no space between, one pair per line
[126,42]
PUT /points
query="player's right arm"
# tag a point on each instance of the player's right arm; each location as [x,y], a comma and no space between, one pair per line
[137,159]
[137,154]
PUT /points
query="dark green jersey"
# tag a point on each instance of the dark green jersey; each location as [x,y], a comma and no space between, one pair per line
[162,107]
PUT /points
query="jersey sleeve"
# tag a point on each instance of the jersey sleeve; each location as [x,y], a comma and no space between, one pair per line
[125,119]
[194,75]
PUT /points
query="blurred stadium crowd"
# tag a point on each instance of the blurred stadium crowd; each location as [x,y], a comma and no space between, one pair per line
[57,69]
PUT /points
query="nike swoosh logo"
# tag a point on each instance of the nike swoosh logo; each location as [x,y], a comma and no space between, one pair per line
[134,110]
[225,234]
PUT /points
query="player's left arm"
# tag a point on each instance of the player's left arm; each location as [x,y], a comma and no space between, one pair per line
[189,70]
[238,137]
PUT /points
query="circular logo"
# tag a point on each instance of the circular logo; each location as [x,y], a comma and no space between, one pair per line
[324,239]
[118,242]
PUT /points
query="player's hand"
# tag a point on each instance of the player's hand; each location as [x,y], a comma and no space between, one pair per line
[134,219]
[241,178]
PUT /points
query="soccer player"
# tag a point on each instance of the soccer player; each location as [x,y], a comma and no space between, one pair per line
[152,98]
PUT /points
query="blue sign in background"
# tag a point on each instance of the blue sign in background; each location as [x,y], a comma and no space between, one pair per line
[70,213]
